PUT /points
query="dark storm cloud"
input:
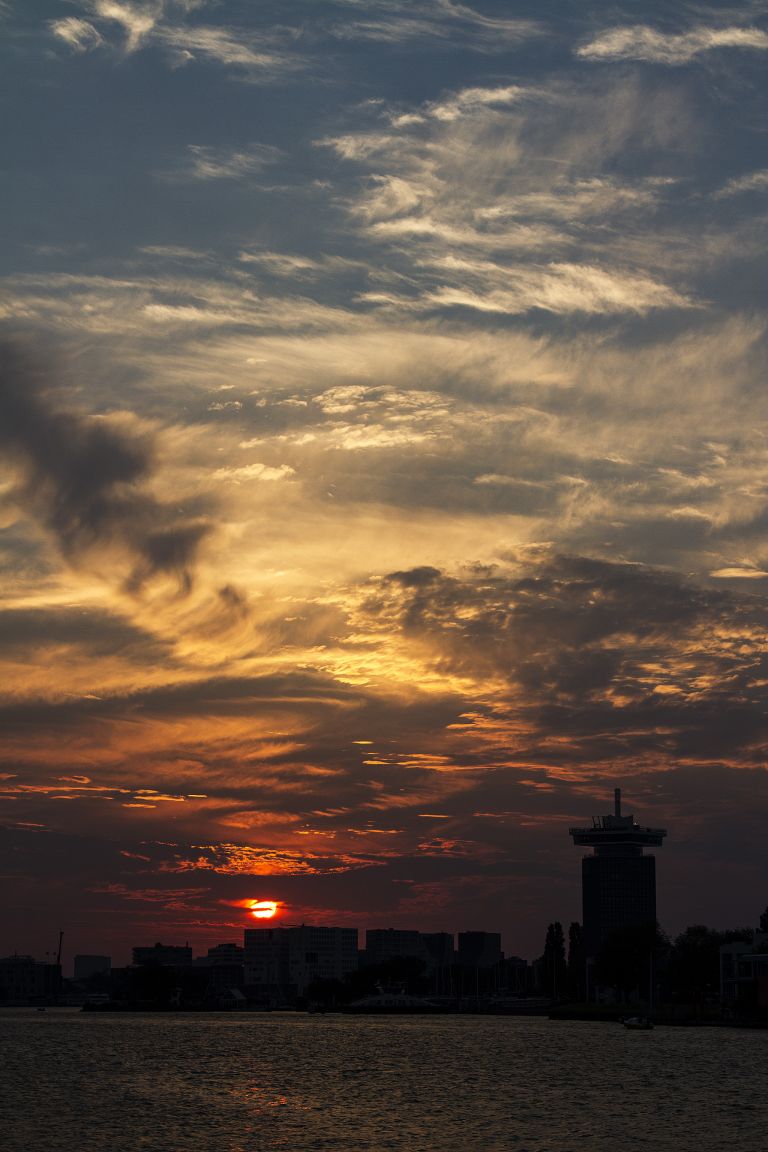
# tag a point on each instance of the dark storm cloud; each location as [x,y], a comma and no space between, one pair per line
[236,696]
[84,479]
[97,633]
[571,601]
[612,660]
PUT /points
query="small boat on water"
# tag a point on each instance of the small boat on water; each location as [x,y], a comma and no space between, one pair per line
[638,1023]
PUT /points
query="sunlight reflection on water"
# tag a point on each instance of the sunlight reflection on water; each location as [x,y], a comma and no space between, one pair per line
[254,1083]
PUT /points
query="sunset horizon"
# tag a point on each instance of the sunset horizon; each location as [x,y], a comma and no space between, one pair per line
[383,464]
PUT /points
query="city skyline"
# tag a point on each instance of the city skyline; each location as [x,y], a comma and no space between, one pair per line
[618,892]
[383,461]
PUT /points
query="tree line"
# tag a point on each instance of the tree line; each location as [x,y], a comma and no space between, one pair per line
[640,961]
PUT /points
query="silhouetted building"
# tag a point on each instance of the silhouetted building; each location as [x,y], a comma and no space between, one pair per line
[516,975]
[439,947]
[86,966]
[162,955]
[281,963]
[744,971]
[222,954]
[229,953]
[266,959]
[225,977]
[479,949]
[382,944]
[618,883]
[24,980]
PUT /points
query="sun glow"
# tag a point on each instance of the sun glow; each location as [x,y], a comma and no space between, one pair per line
[263,909]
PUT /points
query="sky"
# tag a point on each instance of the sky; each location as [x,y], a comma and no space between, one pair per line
[383,461]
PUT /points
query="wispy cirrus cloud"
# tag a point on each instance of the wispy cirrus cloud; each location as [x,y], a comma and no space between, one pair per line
[464,102]
[163,23]
[79,34]
[136,20]
[438,223]
[440,21]
[642,42]
[208,163]
[751,182]
[256,57]
[557,288]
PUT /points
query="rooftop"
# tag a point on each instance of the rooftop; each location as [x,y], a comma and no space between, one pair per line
[614,828]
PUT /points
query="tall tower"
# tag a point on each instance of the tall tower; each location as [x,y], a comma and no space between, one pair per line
[618,883]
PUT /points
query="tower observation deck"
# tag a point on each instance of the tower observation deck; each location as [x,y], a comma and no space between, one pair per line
[618,882]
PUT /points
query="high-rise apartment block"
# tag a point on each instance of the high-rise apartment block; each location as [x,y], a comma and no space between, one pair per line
[382,944]
[283,962]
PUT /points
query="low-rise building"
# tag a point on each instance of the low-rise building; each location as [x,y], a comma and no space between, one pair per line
[229,953]
[744,971]
[480,949]
[86,966]
[162,955]
[24,980]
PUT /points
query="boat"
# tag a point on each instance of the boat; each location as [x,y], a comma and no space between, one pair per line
[638,1023]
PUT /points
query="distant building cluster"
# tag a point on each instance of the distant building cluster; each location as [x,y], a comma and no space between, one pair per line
[282,966]
[273,966]
[283,963]
[24,980]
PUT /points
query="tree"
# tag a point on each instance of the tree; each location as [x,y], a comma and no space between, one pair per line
[553,962]
[764,921]
[694,965]
[576,976]
[630,958]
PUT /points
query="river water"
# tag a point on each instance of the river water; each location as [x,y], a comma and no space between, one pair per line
[73,1082]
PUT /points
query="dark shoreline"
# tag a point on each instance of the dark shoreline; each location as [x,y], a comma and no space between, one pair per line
[665,1020]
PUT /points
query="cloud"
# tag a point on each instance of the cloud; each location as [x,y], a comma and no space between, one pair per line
[206,163]
[440,21]
[79,34]
[245,860]
[605,657]
[740,573]
[641,42]
[488,287]
[254,471]
[162,23]
[137,21]
[751,182]
[559,288]
[527,176]
[233,48]
[468,100]
[96,633]
[86,480]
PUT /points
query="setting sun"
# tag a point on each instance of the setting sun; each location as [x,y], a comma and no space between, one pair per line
[263,909]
